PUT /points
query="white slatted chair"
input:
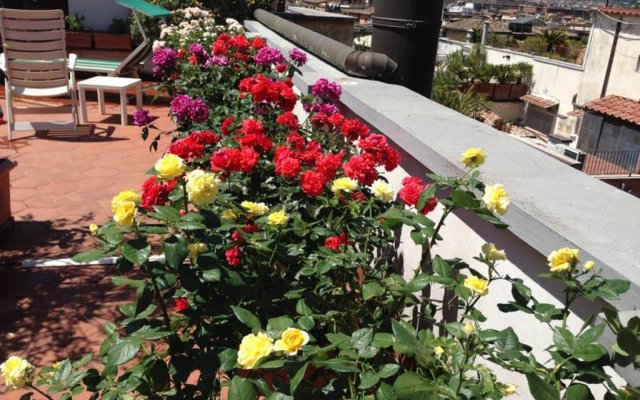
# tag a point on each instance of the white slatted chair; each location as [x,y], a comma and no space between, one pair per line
[35,63]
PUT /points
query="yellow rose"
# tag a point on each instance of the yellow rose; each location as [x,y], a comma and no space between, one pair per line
[196,248]
[438,351]
[170,166]
[278,218]
[256,209]
[202,187]
[125,213]
[16,372]
[473,157]
[495,197]
[478,285]
[93,229]
[469,328]
[492,253]
[588,266]
[563,259]
[510,389]
[343,185]
[229,214]
[252,348]
[125,195]
[292,341]
[383,191]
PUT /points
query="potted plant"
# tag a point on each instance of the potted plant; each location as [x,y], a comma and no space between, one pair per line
[506,76]
[6,221]
[523,73]
[483,76]
[116,38]
[75,36]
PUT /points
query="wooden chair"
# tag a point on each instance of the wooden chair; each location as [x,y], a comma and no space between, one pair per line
[35,63]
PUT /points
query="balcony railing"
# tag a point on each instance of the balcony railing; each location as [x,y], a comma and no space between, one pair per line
[612,163]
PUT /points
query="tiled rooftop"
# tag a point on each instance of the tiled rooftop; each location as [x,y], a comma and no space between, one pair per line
[475,23]
[620,11]
[539,101]
[617,107]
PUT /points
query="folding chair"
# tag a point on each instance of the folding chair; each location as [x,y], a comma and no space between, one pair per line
[35,63]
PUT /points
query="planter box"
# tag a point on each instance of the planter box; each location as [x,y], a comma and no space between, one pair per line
[484,88]
[107,41]
[79,40]
[502,91]
[518,90]
[6,221]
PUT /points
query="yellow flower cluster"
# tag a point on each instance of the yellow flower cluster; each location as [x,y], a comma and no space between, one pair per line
[202,187]
[383,191]
[343,185]
[292,341]
[496,199]
[254,347]
[123,207]
[278,218]
[468,328]
[491,253]
[255,209]
[196,248]
[229,214]
[438,351]
[473,157]
[563,259]
[478,285]
[93,229]
[16,372]
[170,166]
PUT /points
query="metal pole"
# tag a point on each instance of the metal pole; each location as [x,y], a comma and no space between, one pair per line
[408,32]
[611,57]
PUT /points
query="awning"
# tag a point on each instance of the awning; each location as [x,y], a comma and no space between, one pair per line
[144,7]
[538,101]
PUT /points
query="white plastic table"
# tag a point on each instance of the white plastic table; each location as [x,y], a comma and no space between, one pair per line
[110,84]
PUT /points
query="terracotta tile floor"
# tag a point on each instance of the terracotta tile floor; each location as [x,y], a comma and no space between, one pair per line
[59,187]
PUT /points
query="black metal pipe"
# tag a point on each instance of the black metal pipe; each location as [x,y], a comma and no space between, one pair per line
[361,64]
[605,84]
[408,32]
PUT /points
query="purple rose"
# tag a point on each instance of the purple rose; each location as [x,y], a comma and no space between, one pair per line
[180,106]
[327,108]
[198,50]
[326,90]
[298,57]
[220,61]
[162,59]
[141,117]
[267,56]
[198,111]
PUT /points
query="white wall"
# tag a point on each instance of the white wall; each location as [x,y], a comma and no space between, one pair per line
[552,78]
[98,13]
[624,80]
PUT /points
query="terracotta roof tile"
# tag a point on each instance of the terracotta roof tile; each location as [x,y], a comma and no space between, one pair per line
[620,11]
[575,113]
[539,101]
[617,107]
[476,23]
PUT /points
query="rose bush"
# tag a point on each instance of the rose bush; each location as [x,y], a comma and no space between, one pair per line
[263,253]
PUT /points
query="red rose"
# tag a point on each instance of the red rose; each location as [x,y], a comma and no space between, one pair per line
[233,256]
[248,159]
[310,153]
[335,121]
[354,129]
[251,228]
[226,159]
[204,137]
[362,168]
[258,43]
[312,183]
[319,120]
[288,120]
[296,140]
[334,242]
[392,159]
[288,168]
[193,59]
[251,126]
[181,304]
[281,153]
[226,124]
[412,187]
[156,192]
[328,164]
[187,148]
[281,67]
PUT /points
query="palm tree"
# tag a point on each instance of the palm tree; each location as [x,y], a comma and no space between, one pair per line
[554,38]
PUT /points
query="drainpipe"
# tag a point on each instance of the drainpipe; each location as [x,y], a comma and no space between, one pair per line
[611,57]
[360,64]
[485,33]
[408,32]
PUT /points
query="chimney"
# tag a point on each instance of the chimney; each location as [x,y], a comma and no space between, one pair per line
[485,33]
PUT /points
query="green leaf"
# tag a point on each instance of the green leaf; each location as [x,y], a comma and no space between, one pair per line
[297,378]
[302,308]
[88,256]
[578,391]
[339,365]
[507,341]
[463,199]
[165,213]
[590,352]
[368,379]
[189,226]
[612,289]
[418,283]
[564,340]
[362,338]
[124,350]
[591,335]
[273,364]
[242,389]
[306,323]
[372,289]
[628,342]
[246,317]
[388,370]
[382,340]
[279,324]
[63,371]
[411,386]
[540,389]
[227,359]
[211,275]
[441,267]
[175,251]
[385,392]
[427,193]
[137,251]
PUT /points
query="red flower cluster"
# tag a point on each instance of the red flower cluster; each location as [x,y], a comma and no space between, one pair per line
[233,256]
[236,46]
[334,242]
[156,192]
[182,304]
[288,120]
[226,124]
[232,159]
[236,236]
[361,167]
[253,136]
[313,183]
[412,187]
[379,148]
[354,129]
[332,122]
[193,145]
[266,90]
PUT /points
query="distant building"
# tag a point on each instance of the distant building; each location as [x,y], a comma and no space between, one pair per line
[611,123]
[524,24]
[458,30]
